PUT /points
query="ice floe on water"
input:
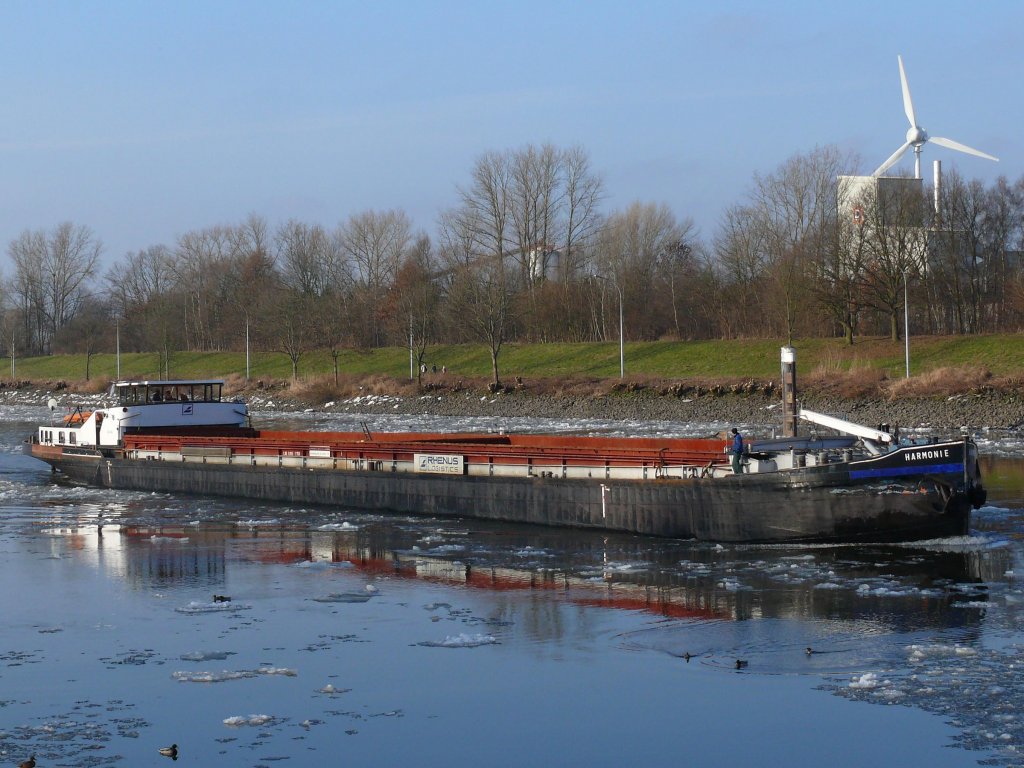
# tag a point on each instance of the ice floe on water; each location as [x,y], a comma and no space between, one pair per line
[215,607]
[238,721]
[343,597]
[866,681]
[461,641]
[206,655]
[331,690]
[227,675]
[345,526]
[316,565]
[269,523]
[212,677]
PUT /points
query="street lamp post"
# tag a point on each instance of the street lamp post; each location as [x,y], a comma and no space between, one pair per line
[247,349]
[906,323]
[622,337]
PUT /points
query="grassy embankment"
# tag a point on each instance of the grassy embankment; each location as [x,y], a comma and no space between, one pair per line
[938,364]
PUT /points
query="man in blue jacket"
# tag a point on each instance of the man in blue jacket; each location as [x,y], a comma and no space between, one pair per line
[737,452]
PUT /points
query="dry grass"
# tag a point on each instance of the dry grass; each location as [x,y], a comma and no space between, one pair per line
[837,378]
[854,383]
[943,382]
[322,389]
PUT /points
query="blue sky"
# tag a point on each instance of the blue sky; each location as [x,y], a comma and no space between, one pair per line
[147,120]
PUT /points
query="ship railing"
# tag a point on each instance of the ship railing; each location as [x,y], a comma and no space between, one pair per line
[624,456]
[492,460]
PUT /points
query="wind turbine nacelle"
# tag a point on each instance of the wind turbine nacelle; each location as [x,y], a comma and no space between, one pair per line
[916,136]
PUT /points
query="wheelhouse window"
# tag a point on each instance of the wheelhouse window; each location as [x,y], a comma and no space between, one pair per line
[141,394]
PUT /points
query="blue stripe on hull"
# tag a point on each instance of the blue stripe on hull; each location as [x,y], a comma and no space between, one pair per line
[930,469]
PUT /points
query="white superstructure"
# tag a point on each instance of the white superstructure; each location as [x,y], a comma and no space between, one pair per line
[142,405]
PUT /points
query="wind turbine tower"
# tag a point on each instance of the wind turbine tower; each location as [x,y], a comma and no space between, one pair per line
[917,136]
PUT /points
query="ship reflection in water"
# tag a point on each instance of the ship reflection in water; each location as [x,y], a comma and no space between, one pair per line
[901,588]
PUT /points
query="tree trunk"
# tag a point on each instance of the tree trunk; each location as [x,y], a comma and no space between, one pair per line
[494,367]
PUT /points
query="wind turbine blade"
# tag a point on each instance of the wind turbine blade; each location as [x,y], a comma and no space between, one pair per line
[908,105]
[950,144]
[892,159]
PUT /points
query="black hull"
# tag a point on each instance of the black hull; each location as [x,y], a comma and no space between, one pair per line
[816,504]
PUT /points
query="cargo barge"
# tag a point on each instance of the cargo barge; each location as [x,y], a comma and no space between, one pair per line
[858,485]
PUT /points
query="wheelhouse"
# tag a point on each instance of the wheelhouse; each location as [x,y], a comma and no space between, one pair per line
[130,393]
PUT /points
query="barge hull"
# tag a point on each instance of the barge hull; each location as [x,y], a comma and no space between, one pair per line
[814,505]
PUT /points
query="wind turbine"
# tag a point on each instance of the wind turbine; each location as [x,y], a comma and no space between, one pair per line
[917,137]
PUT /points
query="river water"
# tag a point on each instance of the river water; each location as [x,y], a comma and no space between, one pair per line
[418,641]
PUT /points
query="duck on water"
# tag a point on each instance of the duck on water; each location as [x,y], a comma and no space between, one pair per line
[849,483]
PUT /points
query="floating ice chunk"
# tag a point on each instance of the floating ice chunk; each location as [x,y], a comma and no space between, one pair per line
[257,523]
[238,721]
[867,680]
[322,564]
[226,675]
[284,671]
[345,526]
[972,604]
[371,589]
[919,653]
[462,641]
[828,585]
[197,607]
[206,655]
[212,677]
[330,690]
[891,694]
[169,539]
[731,585]
[343,597]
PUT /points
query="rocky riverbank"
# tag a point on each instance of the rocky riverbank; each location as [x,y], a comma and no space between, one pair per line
[986,409]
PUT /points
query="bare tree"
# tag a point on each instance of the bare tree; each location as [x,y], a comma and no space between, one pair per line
[308,257]
[28,252]
[632,253]
[795,208]
[202,268]
[72,257]
[481,280]
[143,289]
[292,332]
[896,244]
[52,274]
[376,243]
[416,297]
[87,332]
[584,191]
[839,272]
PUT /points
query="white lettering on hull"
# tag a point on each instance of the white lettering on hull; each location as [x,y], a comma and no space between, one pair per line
[440,463]
[926,455]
